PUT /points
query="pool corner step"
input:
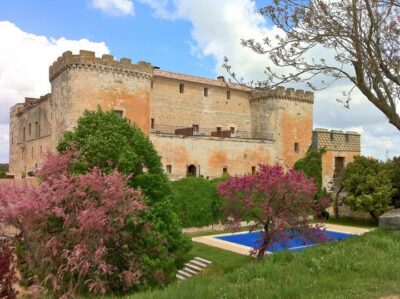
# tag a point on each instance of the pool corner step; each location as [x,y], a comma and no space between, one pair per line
[193,267]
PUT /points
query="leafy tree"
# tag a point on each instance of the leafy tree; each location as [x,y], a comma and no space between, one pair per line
[280,201]
[85,232]
[107,141]
[393,167]
[368,187]
[359,40]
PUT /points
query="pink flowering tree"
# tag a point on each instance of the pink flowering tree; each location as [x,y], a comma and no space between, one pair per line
[82,232]
[278,200]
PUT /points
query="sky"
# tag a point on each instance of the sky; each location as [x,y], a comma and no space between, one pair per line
[185,36]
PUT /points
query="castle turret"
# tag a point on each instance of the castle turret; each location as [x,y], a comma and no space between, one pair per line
[288,115]
[84,82]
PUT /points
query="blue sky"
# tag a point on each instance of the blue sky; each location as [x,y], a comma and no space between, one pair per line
[187,36]
[140,37]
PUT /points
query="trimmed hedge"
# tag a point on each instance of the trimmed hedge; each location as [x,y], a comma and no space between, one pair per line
[196,201]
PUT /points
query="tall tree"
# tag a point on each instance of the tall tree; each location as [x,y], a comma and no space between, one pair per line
[362,38]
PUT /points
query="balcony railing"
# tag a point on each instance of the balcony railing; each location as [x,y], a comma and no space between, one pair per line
[211,132]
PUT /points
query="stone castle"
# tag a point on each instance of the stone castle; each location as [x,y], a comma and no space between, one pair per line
[199,126]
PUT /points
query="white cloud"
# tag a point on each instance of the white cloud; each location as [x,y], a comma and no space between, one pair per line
[24,68]
[218,27]
[115,7]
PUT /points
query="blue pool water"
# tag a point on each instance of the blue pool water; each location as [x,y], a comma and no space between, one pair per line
[293,244]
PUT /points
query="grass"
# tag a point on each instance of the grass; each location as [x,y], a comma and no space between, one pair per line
[223,261]
[361,267]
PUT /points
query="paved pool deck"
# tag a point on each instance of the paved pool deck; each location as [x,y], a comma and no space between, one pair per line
[245,250]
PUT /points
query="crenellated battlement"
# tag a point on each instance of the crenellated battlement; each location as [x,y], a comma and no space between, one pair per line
[88,59]
[281,92]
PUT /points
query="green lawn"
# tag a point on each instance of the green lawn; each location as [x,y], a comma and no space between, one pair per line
[361,267]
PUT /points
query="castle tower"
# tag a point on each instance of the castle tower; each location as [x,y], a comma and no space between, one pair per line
[287,115]
[84,82]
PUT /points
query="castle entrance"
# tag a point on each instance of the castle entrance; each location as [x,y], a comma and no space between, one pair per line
[191,170]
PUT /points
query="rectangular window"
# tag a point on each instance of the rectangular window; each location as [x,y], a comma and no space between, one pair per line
[347,138]
[169,169]
[225,170]
[152,123]
[219,129]
[30,129]
[23,134]
[195,128]
[232,129]
[12,138]
[296,147]
[206,92]
[119,113]
[228,94]
[151,84]
[331,136]
[181,88]
[253,170]
[37,130]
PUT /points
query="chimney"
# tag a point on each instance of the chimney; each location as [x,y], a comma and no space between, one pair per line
[221,78]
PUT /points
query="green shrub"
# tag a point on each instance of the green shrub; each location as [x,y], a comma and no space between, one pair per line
[368,186]
[196,201]
[2,175]
[311,166]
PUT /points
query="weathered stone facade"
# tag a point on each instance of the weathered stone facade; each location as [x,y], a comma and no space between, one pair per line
[200,125]
[341,148]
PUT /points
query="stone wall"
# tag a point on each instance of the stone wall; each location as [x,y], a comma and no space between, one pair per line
[210,155]
[338,144]
[173,109]
[288,115]
[85,82]
[30,134]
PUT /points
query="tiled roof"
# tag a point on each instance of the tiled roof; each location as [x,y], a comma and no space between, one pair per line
[336,140]
[201,80]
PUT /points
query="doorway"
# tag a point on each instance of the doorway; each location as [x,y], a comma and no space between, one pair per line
[191,170]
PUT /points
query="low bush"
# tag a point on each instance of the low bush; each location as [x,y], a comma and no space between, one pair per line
[196,201]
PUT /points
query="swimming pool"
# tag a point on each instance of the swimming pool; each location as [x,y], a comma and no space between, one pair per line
[293,244]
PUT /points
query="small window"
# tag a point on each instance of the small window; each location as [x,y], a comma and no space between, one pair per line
[232,129]
[206,92]
[181,88]
[225,170]
[169,169]
[37,130]
[195,128]
[151,84]
[23,134]
[228,94]
[347,138]
[152,123]
[331,136]
[120,113]
[32,152]
[253,169]
[296,147]
[219,129]
[29,130]
[12,138]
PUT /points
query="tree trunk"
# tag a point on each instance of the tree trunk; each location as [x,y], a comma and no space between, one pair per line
[374,216]
[263,248]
